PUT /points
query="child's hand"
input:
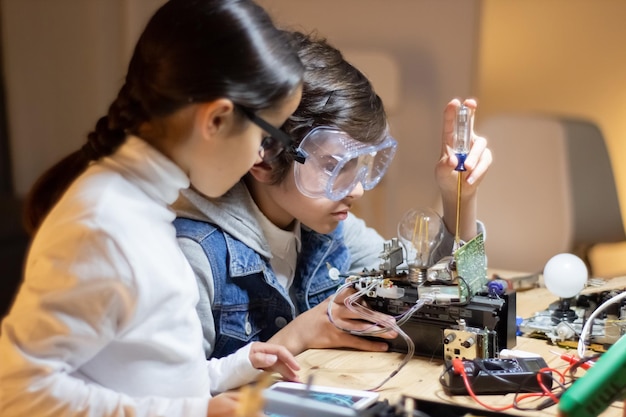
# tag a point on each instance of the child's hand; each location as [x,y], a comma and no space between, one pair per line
[274,358]
[476,164]
[313,330]
[478,159]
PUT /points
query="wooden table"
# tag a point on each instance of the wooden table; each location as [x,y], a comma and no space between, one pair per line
[420,376]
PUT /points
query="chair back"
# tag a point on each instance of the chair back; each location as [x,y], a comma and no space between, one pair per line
[550,190]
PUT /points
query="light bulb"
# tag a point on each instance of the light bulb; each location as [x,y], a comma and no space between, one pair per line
[420,231]
[565,275]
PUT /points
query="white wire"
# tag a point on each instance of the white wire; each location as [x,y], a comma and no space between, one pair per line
[589,324]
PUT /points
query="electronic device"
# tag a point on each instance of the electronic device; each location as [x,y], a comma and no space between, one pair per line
[606,329]
[496,376]
[602,384]
[465,317]
[492,319]
[292,398]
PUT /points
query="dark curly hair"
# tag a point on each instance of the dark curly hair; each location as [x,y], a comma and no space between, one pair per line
[335,93]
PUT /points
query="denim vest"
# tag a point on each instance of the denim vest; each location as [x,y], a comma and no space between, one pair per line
[249,303]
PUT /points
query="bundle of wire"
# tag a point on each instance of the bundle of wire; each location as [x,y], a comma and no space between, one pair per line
[353,303]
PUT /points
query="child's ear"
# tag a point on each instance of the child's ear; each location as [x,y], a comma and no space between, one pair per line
[262,172]
[216,115]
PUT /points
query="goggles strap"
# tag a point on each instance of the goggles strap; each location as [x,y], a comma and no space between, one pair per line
[301,156]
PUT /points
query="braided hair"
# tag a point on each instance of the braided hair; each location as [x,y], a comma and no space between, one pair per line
[191,51]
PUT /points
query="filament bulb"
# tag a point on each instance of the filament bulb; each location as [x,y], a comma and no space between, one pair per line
[420,232]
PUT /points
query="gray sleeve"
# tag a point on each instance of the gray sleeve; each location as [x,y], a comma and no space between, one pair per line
[364,244]
[202,269]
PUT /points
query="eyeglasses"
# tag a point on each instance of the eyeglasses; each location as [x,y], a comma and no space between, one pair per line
[273,144]
[331,163]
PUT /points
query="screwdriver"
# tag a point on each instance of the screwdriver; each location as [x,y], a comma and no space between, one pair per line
[464,124]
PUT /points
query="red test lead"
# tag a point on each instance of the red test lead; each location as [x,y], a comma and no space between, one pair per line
[573,360]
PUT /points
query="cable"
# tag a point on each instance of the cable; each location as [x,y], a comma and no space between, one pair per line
[589,324]
[352,302]
[458,367]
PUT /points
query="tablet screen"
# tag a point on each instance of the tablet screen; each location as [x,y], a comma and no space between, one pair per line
[324,399]
[346,400]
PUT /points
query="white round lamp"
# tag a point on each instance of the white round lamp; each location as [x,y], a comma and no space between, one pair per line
[565,276]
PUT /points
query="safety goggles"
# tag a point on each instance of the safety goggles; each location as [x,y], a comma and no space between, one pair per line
[330,163]
[273,144]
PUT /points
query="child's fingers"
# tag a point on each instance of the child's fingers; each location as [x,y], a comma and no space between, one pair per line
[285,371]
[263,355]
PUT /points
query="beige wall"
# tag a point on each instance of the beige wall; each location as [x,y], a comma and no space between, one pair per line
[65,61]
[564,57]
